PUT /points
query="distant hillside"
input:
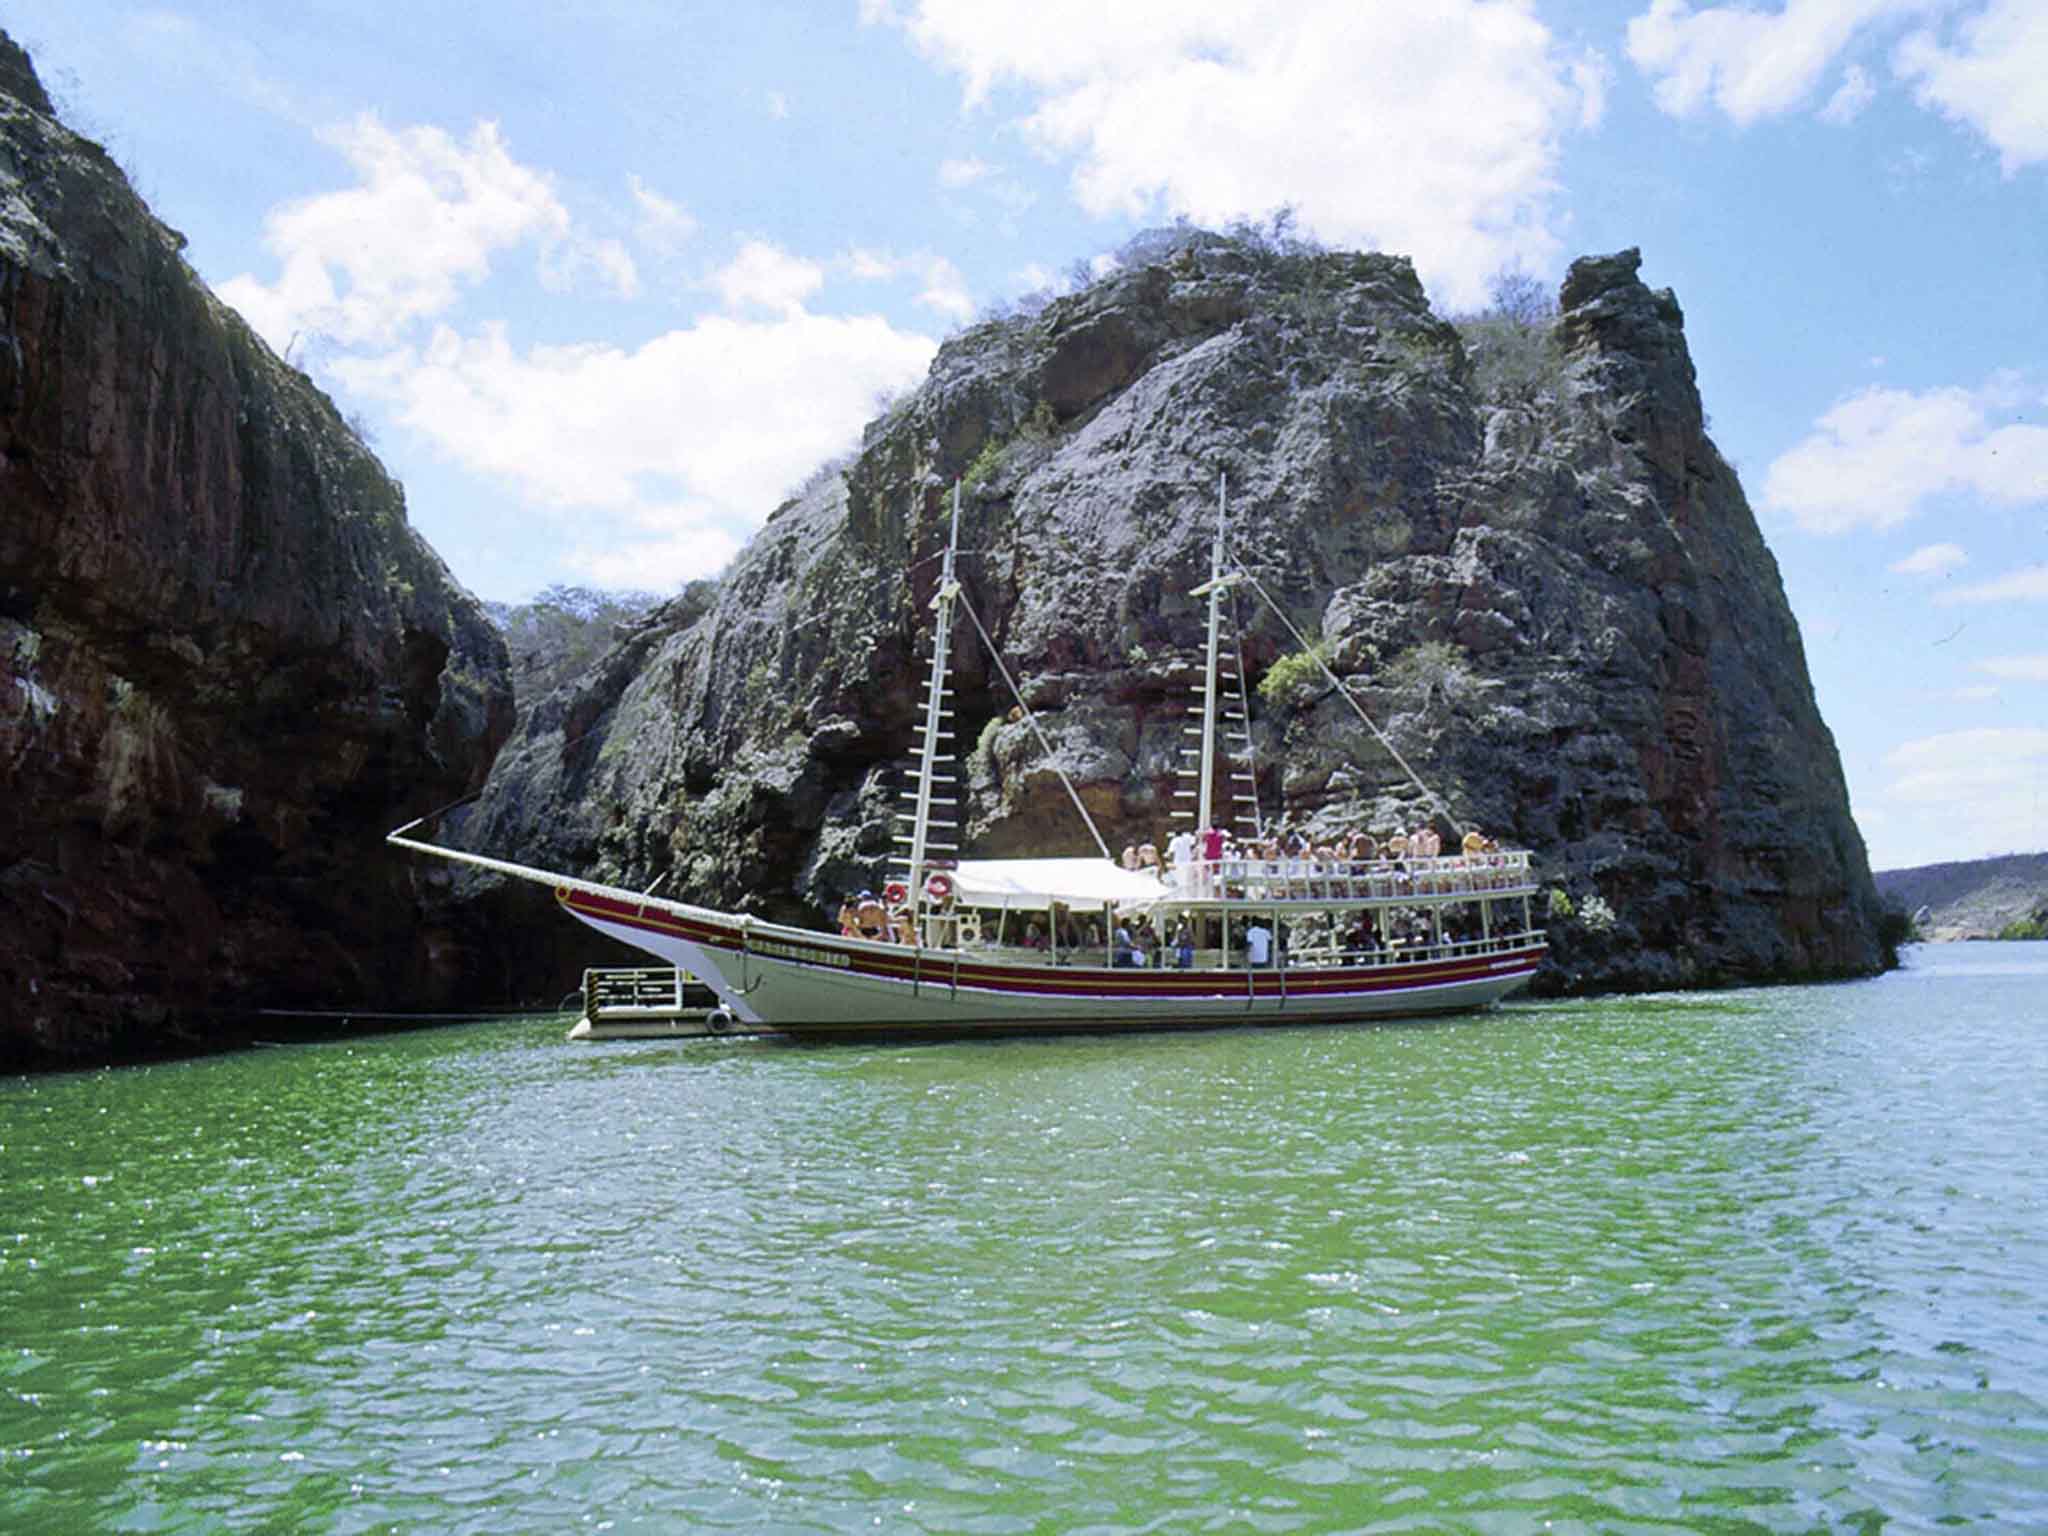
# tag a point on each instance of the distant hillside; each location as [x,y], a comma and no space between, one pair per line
[1973,899]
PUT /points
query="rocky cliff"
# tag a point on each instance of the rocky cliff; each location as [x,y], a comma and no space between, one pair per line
[231,664]
[1972,899]
[1546,587]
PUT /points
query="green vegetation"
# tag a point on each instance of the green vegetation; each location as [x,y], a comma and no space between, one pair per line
[1291,679]
[1432,664]
[985,464]
[1561,909]
[1513,342]
[2035,927]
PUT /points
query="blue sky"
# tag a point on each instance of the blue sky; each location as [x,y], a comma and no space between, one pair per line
[606,279]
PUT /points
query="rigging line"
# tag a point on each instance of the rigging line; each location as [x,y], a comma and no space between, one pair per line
[1244,704]
[1032,720]
[1356,708]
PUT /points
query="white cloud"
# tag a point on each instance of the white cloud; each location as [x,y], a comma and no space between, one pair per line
[430,212]
[2023,669]
[1930,560]
[870,266]
[664,224]
[1750,63]
[1996,83]
[944,287]
[962,173]
[563,266]
[656,563]
[945,290]
[1436,124]
[1850,98]
[765,276]
[676,448]
[1876,456]
[778,105]
[2028,585]
[1976,693]
[1964,794]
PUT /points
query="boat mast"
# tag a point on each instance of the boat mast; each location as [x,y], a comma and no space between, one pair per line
[935,709]
[1214,589]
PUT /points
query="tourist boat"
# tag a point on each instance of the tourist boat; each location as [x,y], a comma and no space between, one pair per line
[1004,946]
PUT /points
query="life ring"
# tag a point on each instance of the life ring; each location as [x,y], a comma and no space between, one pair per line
[895,893]
[939,888]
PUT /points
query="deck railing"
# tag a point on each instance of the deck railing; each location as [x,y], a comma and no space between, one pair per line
[1306,880]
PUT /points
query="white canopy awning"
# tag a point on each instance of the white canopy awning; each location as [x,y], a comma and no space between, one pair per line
[1037,883]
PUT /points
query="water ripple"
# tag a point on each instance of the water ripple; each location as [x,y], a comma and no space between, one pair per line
[1757,1261]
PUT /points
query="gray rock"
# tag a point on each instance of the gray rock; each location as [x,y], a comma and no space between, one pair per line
[231,664]
[1557,607]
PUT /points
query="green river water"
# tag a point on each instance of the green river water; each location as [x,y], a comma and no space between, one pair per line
[1754,1261]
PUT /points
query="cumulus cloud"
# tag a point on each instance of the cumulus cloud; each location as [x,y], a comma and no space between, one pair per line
[1750,63]
[683,443]
[943,286]
[1747,62]
[1995,81]
[1930,560]
[765,276]
[429,214]
[1971,793]
[2028,585]
[1436,124]
[1877,456]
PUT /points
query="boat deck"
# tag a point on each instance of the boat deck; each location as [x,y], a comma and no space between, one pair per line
[652,1003]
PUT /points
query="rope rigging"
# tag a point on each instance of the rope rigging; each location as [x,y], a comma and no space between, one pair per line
[1436,800]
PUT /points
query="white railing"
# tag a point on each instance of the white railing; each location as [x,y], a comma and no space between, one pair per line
[1465,874]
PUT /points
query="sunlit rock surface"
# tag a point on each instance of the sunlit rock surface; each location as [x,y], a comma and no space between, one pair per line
[1552,596]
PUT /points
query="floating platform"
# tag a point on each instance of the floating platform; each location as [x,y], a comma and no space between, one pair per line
[658,1003]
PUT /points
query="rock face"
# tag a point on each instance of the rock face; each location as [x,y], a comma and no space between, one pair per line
[1974,899]
[1552,598]
[231,665]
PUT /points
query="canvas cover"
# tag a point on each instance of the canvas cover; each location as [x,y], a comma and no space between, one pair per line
[1037,883]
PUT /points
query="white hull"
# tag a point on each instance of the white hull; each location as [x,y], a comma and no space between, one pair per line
[814,984]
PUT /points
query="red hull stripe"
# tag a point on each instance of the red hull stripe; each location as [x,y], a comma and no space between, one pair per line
[1097,981]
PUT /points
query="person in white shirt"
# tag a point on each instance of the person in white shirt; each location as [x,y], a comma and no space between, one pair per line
[1258,944]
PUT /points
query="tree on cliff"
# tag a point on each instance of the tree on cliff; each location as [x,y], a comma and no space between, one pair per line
[561,631]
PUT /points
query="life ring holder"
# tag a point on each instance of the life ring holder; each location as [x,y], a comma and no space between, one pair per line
[896,895]
[938,888]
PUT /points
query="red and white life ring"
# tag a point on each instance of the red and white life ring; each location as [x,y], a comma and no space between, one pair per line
[938,889]
[895,893]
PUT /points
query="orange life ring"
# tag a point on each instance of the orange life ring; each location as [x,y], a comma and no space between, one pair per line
[895,893]
[939,888]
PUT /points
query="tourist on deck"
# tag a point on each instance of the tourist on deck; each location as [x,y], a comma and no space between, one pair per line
[1210,845]
[849,916]
[1184,945]
[1258,943]
[1130,856]
[1148,862]
[869,916]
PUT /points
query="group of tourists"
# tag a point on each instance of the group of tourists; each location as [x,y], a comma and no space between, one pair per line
[1200,863]
[864,915]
